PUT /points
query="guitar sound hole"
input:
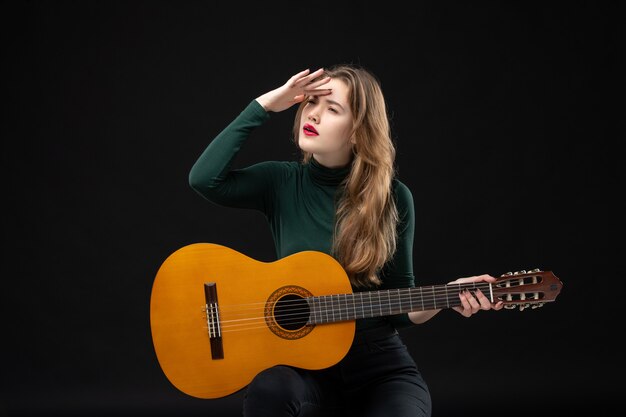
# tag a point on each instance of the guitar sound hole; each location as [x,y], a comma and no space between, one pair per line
[291,312]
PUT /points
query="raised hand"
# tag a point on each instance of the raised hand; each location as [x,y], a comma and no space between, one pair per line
[294,91]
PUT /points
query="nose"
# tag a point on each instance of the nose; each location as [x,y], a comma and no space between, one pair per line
[314,117]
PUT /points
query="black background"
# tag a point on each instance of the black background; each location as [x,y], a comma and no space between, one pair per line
[508,120]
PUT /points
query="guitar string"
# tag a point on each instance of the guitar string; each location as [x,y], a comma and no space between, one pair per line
[264,325]
[424,290]
[404,297]
[302,305]
[336,304]
[303,318]
[260,322]
[304,314]
[436,289]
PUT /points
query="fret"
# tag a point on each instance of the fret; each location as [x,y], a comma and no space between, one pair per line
[354,306]
[318,312]
[400,301]
[351,314]
[312,304]
[362,310]
[447,300]
[389,301]
[411,299]
[318,301]
[326,308]
[434,299]
[340,307]
[422,297]
[321,310]
[332,308]
[371,308]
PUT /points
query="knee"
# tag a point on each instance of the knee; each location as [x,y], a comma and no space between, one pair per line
[274,389]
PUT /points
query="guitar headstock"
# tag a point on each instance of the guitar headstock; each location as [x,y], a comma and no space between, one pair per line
[524,289]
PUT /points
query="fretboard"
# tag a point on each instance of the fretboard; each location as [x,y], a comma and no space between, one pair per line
[359,305]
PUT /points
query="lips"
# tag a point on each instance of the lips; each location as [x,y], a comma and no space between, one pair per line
[309,130]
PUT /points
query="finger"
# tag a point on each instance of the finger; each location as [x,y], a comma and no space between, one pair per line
[475,305]
[498,305]
[306,78]
[474,278]
[319,82]
[485,304]
[299,75]
[467,308]
[298,98]
[483,277]
[318,92]
[464,280]
[488,278]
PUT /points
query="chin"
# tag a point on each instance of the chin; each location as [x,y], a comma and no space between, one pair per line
[305,145]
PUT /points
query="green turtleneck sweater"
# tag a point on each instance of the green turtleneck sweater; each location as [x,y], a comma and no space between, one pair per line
[298,201]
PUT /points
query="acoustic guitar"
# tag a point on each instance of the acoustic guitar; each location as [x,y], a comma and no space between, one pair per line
[219,317]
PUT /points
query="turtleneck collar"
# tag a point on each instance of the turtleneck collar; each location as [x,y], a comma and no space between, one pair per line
[327,176]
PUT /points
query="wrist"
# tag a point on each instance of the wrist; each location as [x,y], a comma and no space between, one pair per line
[261,100]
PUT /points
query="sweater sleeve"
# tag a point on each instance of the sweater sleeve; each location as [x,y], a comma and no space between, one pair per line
[211,175]
[398,272]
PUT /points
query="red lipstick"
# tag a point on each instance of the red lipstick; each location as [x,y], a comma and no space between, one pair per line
[309,130]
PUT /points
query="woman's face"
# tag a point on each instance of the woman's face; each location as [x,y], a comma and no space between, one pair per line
[325,126]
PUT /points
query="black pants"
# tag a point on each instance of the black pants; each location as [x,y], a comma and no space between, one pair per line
[377,377]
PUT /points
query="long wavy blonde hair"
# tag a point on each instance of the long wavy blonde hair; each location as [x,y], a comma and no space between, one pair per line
[366,215]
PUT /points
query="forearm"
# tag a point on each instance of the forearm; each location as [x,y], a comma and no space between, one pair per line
[212,166]
[420,317]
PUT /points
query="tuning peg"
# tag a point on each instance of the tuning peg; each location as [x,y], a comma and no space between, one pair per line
[535,270]
[523,271]
[507,274]
[510,306]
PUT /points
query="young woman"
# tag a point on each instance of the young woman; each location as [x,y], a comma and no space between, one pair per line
[342,199]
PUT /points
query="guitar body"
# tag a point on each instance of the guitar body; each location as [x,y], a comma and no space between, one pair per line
[247,291]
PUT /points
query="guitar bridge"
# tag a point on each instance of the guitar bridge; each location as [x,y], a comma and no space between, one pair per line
[213,320]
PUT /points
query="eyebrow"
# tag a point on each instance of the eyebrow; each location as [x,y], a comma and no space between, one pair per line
[331,102]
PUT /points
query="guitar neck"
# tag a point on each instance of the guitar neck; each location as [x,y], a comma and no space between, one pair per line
[367,304]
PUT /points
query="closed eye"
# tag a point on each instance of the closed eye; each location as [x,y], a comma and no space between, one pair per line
[312,101]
